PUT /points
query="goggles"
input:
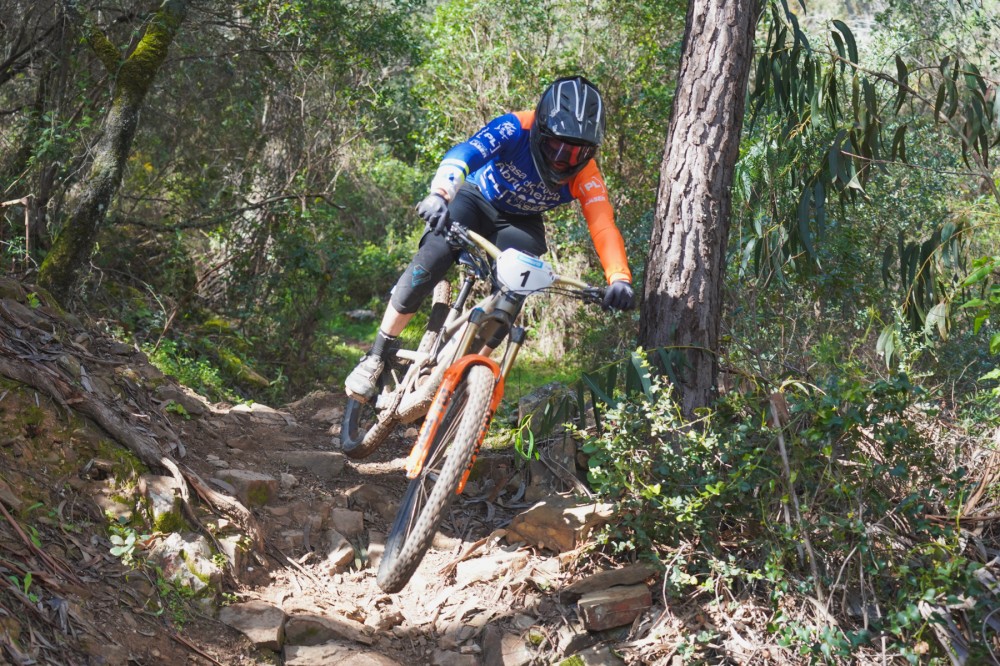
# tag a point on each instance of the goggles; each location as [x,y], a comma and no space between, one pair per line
[563,156]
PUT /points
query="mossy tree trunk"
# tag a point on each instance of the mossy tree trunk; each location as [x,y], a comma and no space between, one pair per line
[686,262]
[134,76]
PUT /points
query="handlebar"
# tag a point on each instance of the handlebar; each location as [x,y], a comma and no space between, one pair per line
[461,237]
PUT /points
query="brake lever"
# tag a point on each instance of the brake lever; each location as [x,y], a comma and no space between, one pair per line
[594,295]
[458,237]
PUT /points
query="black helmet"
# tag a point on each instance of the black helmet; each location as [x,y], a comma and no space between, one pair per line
[568,128]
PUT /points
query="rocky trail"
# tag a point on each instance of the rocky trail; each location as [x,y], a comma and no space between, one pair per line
[143,525]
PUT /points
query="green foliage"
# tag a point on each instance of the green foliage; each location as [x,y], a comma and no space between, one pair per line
[524,440]
[866,480]
[176,408]
[23,585]
[984,308]
[175,599]
[190,369]
[475,43]
[637,461]
[821,128]
[124,540]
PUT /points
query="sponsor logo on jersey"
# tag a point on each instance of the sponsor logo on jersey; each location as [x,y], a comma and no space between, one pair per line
[510,172]
[507,129]
[478,145]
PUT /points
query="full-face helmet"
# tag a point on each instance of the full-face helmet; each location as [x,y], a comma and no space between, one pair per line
[568,128]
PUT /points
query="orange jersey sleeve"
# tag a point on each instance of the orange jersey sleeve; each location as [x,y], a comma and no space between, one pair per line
[526,118]
[588,187]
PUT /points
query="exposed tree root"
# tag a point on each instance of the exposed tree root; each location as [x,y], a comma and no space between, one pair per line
[31,355]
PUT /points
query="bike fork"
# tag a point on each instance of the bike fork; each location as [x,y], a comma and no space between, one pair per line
[418,455]
[516,340]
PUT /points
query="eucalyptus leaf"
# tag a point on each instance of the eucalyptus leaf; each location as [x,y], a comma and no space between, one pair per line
[977,275]
[886,344]
[973,303]
[641,369]
[598,392]
[901,82]
[805,234]
[939,101]
[899,143]
[937,317]
[852,47]
[838,42]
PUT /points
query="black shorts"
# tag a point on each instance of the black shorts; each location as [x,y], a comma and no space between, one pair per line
[435,257]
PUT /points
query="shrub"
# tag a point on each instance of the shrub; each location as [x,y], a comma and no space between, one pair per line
[846,500]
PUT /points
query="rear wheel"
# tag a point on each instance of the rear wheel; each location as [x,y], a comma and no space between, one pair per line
[361,431]
[363,428]
[427,498]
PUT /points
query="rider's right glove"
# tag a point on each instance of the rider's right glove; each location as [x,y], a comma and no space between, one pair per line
[619,296]
[434,211]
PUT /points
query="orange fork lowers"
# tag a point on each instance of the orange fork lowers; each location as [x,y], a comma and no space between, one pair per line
[453,375]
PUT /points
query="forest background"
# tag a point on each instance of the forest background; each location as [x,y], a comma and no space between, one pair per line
[265,205]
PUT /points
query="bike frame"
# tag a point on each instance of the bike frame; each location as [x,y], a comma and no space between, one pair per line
[500,309]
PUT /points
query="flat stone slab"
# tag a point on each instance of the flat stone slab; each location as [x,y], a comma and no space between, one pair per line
[558,523]
[602,580]
[324,464]
[261,622]
[252,488]
[311,629]
[334,654]
[614,607]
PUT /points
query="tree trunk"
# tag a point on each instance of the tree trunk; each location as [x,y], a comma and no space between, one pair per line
[75,243]
[686,263]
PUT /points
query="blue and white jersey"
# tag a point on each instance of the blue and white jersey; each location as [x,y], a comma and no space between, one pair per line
[499,159]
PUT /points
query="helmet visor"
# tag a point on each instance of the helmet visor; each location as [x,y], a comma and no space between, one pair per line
[564,156]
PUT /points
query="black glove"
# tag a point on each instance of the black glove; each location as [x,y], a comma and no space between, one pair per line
[619,296]
[434,211]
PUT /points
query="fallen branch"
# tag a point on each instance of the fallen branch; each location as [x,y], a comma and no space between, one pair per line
[54,566]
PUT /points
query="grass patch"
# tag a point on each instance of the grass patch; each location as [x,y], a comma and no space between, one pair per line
[531,373]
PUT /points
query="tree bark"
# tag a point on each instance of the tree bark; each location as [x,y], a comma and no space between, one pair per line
[134,77]
[686,262]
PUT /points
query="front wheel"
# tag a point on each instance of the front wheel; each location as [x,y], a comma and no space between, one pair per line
[427,498]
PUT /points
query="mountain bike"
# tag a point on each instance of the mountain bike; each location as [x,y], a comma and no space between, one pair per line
[451,380]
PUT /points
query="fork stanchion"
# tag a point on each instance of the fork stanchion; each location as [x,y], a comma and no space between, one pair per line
[476,318]
[517,337]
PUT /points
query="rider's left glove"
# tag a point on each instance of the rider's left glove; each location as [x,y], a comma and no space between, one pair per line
[434,211]
[619,296]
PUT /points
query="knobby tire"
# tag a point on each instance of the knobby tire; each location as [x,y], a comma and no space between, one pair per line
[361,431]
[428,496]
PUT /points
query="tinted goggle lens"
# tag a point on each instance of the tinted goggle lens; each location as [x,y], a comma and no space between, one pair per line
[565,155]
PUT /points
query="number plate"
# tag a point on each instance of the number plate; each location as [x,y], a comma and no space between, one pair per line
[522,273]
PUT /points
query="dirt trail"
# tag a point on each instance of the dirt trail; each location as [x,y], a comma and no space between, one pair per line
[473,593]
[476,599]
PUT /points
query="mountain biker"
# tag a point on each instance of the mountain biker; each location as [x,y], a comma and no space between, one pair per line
[521,164]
